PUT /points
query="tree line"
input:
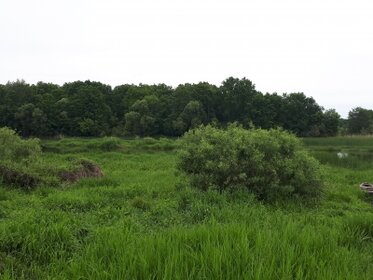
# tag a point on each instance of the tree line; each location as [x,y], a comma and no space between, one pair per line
[92,108]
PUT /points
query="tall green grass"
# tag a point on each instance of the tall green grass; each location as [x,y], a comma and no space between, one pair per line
[271,249]
[141,222]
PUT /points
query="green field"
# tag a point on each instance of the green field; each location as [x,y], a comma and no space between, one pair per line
[141,221]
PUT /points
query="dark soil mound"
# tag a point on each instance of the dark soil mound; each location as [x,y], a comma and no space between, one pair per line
[14,177]
[85,169]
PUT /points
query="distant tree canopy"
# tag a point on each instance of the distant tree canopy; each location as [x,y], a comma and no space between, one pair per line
[95,109]
[360,121]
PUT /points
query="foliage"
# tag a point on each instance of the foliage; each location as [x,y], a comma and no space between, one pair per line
[303,115]
[268,163]
[331,123]
[94,109]
[13,148]
[20,160]
[360,121]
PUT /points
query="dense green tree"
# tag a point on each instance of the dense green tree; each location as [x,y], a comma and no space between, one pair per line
[132,123]
[31,121]
[360,121]
[3,106]
[14,95]
[193,115]
[178,119]
[302,115]
[268,111]
[140,120]
[238,100]
[88,112]
[89,108]
[330,123]
[89,127]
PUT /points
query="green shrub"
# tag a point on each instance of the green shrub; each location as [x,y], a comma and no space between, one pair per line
[13,148]
[21,164]
[110,144]
[16,156]
[269,163]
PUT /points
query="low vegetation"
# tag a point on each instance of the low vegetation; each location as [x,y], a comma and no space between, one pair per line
[17,159]
[22,163]
[142,221]
[14,149]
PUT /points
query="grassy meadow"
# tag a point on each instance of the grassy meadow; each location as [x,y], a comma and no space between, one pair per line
[142,221]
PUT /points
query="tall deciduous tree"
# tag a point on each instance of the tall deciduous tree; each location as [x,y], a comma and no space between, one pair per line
[360,120]
[330,123]
[89,108]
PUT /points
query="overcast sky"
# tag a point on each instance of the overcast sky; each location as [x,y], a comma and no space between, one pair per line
[323,48]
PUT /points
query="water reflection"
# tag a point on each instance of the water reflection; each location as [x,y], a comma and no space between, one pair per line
[342,155]
[346,158]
